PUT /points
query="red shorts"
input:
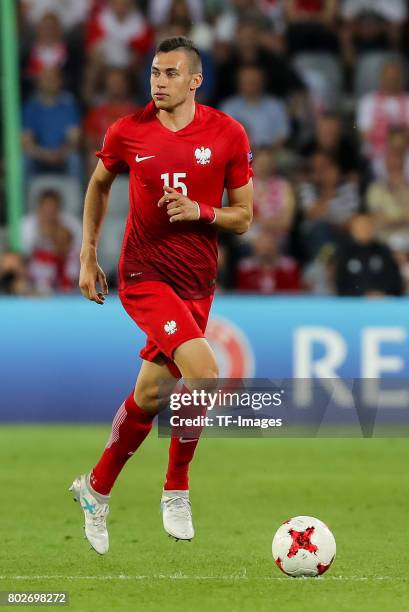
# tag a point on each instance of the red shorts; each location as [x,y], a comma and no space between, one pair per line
[167,319]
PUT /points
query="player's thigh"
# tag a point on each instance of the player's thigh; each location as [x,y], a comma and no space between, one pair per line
[153,386]
[196,361]
[165,317]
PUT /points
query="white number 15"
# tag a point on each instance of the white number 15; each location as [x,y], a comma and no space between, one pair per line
[176,182]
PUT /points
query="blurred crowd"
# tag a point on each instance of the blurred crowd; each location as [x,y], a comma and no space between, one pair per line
[321,87]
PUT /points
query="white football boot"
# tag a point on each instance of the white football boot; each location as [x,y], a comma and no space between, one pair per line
[95,507]
[177,515]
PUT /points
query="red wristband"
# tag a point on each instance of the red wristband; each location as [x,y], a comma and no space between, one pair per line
[207,213]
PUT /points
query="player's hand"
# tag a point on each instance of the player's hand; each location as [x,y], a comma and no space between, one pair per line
[91,274]
[179,207]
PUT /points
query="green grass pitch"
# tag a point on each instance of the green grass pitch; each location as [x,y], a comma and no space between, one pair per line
[241,491]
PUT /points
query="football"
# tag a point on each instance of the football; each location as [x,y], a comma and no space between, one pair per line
[304,546]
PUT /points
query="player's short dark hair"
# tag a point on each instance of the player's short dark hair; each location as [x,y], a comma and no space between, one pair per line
[187,45]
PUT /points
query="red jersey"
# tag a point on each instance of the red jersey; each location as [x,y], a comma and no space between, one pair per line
[310,6]
[283,276]
[212,152]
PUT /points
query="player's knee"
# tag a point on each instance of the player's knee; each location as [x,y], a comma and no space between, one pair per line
[197,370]
[150,398]
[211,373]
[202,375]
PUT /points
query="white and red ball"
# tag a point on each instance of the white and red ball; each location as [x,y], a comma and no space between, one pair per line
[304,546]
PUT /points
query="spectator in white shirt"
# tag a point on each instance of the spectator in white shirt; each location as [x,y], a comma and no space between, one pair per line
[391,10]
[70,12]
[379,111]
[119,34]
[52,241]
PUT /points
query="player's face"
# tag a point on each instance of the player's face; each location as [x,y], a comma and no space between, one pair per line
[172,81]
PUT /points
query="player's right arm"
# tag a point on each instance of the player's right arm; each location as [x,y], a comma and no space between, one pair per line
[95,207]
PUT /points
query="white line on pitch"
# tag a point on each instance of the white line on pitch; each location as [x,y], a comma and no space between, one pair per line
[185,577]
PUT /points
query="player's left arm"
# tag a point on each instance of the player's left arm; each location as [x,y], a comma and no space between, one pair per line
[235,218]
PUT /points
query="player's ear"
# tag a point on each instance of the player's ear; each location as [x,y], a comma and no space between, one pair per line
[196,81]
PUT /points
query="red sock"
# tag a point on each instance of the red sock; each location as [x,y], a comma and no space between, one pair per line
[181,451]
[130,427]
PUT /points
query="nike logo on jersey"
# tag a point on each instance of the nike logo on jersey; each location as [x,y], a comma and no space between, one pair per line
[139,159]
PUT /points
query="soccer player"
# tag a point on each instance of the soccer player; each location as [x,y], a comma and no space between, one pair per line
[181,156]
